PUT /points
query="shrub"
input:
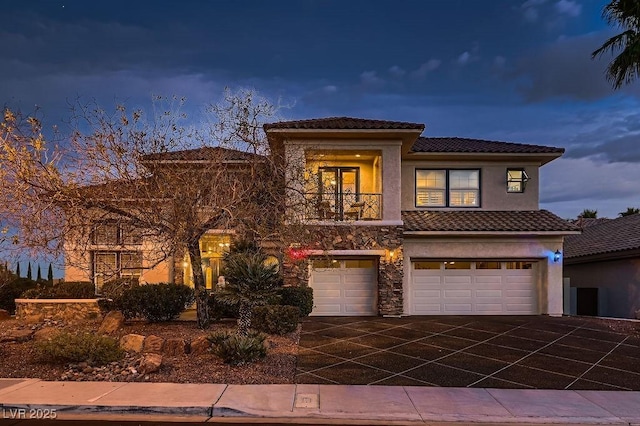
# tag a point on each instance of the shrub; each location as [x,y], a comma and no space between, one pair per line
[220,308]
[115,288]
[63,290]
[302,297]
[11,290]
[155,302]
[68,347]
[235,349]
[276,319]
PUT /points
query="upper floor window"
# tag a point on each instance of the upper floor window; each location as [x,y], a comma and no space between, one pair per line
[447,188]
[516,180]
[115,233]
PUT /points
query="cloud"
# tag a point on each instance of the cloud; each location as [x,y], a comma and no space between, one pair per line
[426,68]
[330,89]
[565,70]
[371,79]
[567,186]
[569,8]
[396,71]
[530,10]
[464,58]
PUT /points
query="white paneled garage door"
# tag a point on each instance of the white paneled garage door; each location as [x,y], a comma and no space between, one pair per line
[344,286]
[473,288]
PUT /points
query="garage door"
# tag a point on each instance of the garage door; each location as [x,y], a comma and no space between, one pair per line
[473,288]
[344,286]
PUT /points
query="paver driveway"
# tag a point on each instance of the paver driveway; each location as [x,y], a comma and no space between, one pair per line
[490,352]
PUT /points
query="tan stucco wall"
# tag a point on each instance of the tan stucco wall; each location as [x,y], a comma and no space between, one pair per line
[493,184]
[618,283]
[549,280]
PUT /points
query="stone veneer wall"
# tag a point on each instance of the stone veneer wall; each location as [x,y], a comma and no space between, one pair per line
[68,310]
[356,237]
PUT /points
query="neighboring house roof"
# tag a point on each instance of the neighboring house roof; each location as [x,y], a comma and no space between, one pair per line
[466,145]
[486,221]
[611,236]
[205,153]
[344,123]
[585,222]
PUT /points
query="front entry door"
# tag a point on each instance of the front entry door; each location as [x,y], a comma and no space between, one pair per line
[339,188]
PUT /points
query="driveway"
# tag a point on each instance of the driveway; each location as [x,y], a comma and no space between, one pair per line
[470,351]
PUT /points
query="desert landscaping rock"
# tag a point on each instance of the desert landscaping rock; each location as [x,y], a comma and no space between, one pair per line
[46,333]
[153,344]
[33,319]
[132,342]
[150,363]
[4,315]
[200,345]
[17,335]
[111,323]
[175,347]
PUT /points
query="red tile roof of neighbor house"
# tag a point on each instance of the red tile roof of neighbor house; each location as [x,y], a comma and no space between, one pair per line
[485,221]
[455,144]
[609,236]
[339,123]
[205,153]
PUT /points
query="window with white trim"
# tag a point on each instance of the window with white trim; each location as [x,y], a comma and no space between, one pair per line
[447,188]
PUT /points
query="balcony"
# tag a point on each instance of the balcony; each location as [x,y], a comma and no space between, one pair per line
[342,207]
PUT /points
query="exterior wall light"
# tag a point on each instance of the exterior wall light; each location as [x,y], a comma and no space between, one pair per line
[556,256]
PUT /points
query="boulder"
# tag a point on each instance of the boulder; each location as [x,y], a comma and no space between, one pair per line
[150,363]
[200,345]
[17,335]
[111,323]
[153,344]
[175,346]
[132,342]
[46,333]
[33,319]
[4,315]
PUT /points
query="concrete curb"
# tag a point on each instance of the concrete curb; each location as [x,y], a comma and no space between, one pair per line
[314,404]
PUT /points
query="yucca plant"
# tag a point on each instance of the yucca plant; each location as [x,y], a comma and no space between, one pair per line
[249,282]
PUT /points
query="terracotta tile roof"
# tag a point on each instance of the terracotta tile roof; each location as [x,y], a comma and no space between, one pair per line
[344,123]
[485,220]
[206,153]
[608,236]
[585,222]
[454,144]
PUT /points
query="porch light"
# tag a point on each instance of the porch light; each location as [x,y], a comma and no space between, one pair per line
[185,265]
[556,256]
[357,155]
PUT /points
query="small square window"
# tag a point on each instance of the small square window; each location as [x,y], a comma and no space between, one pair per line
[516,180]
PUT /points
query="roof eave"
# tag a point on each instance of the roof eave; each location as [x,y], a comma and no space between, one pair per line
[487,233]
[542,158]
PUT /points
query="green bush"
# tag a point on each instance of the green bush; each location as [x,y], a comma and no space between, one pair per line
[276,319]
[68,347]
[302,297]
[155,302]
[221,309]
[235,349]
[12,289]
[63,290]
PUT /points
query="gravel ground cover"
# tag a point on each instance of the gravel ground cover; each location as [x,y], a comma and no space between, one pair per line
[18,359]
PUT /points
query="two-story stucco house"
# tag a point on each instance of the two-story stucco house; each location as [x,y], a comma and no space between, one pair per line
[392,223]
[404,224]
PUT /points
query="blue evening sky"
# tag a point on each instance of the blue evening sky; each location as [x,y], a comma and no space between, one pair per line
[510,70]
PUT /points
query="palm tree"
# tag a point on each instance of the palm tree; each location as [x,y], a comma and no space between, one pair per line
[588,214]
[626,66]
[629,212]
[249,282]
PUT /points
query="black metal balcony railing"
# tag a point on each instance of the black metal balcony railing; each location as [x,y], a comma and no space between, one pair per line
[343,206]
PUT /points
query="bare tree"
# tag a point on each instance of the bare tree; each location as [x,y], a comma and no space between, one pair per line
[168,181]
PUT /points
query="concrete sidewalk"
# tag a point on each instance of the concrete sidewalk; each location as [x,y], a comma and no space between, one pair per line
[309,404]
